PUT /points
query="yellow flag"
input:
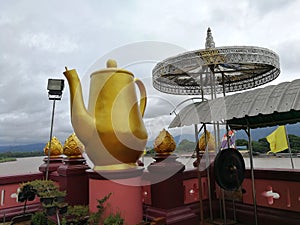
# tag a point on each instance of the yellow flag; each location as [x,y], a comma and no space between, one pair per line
[277,140]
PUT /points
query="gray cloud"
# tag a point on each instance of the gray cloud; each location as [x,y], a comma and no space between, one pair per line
[263,8]
[289,51]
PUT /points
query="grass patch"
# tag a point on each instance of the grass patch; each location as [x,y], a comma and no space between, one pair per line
[4,159]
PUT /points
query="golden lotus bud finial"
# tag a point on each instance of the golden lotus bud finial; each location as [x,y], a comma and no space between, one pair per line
[208,141]
[73,148]
[56,148]
[164,143]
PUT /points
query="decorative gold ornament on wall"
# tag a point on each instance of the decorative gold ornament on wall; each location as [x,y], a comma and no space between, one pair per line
[56,148]
[164,143]
[73,148]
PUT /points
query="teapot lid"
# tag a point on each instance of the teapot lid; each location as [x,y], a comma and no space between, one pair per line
[112,66]
[111,63]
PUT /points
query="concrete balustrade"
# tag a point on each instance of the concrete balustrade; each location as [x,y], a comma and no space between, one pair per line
[176,198]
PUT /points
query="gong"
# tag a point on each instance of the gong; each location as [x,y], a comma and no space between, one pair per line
[229,169]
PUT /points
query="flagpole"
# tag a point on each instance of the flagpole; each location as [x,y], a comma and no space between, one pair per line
[289,147]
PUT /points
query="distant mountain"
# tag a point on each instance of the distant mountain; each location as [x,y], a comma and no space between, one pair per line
[23,148]
[256,134]
[178,139]
[259,133]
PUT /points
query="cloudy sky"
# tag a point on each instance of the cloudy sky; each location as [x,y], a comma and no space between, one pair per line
[39,38]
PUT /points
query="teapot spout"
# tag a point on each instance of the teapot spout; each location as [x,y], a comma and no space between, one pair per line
[82,121]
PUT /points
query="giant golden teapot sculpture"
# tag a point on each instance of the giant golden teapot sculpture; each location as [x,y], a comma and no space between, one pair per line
[112,128]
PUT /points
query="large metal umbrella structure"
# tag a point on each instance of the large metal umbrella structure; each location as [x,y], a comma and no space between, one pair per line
[215,70]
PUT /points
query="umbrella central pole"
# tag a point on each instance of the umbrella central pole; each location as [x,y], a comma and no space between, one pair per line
[252,174]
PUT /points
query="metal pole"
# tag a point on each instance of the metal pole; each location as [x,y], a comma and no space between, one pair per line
[224,206]
[234,210]
[290,151]
[50,140]
[252,174]
[214,96]
[199,176]
[207,165]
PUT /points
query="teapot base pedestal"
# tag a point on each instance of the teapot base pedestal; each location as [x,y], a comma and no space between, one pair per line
[117,168]
[125,189]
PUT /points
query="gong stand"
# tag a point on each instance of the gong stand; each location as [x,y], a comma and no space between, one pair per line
[197,150]
[199,173]
[234,168]
[229,171]
[207,165]
[248,132]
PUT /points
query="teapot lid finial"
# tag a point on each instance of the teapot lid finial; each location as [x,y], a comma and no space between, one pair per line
[111,63]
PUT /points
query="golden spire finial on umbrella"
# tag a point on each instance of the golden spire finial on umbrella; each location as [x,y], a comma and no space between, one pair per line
[209,40]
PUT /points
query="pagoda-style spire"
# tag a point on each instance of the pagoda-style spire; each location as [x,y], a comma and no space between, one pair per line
[209,40]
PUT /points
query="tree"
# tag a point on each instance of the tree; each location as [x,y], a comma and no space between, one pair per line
[241,142]
[264,145]
[186,146]
[294,143]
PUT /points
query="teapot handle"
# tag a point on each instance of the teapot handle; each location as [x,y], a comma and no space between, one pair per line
[143,100]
